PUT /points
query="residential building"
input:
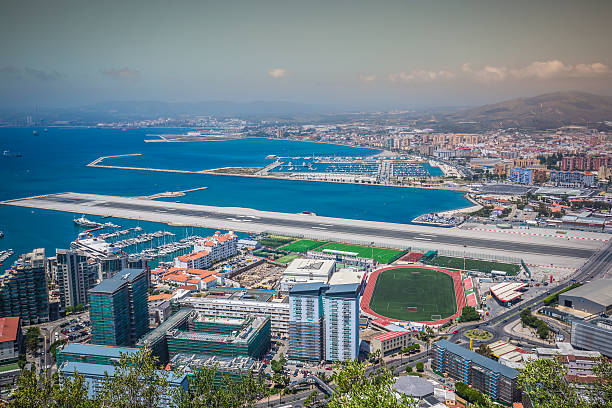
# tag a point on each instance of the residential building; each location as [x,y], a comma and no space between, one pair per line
[324,321]
[341,322]
[220,246]
[233,367]
[95,375]
[243,306]
[23,289]
[521,176]
[594,335]
[572,179]
[91,353]
[11,339]
[482,373]
[75,274]
[118,308]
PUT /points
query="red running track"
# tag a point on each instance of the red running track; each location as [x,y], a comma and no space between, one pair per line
[455,275]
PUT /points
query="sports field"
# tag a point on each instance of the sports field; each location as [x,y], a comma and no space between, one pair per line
[381,255]
[475,265]
[414,294]
[302,245]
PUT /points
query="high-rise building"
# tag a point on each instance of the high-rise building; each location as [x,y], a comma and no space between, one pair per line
[75,274]
[341,322]
[23,289]
[324,321]
[118,308]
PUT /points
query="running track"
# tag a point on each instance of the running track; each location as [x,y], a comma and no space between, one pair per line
[369,290]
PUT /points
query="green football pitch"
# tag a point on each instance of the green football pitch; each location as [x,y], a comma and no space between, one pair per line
[381,255]
[414,294]
[302,245]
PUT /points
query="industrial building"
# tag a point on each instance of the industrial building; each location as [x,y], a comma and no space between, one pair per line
[91,353]
[482,373]
[306,270]
[594,335]
[119,310]
[324,322]
[594,297]
[95,375]
[23,289]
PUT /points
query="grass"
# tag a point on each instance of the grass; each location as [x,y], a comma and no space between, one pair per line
[287,258]
[8,367]
[475,265]
[431,292]
[478,334]
[381,255]
[302,245]
[274,241]
[554,298]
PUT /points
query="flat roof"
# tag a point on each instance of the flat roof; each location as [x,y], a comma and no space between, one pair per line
[97,350]
[389,335]
[312,288]
[100,370]
[413,386]
[111,285]
[346,289]
[477,358]
[597,291]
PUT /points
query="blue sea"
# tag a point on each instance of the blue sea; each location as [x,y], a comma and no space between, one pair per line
[54,161]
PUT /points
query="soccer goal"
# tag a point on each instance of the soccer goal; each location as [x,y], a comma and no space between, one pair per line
[436,317]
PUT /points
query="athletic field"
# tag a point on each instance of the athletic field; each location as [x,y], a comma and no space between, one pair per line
[302,245]
[381,255]
[414,294]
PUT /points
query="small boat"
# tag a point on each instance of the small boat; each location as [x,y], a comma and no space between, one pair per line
[1,234]
[34,132]
[84,222]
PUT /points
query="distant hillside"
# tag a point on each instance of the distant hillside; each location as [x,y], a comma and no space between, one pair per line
[540,112]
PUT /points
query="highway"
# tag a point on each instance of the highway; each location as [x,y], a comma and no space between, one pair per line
[599,264]
[258,221]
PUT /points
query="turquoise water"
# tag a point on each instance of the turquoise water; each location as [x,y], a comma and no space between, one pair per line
[54,161]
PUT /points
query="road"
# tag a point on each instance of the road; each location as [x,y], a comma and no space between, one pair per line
[258,221]
[599,264]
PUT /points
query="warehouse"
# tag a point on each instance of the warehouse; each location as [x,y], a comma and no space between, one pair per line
[594,297]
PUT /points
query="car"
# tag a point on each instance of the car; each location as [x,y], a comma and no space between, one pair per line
[456,331]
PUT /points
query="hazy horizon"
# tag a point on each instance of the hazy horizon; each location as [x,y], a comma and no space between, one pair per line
[342,56]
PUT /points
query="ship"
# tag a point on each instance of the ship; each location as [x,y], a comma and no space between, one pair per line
[34,132]
[84,222]
[1,234]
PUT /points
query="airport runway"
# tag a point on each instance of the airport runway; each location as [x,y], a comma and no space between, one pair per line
[248,220]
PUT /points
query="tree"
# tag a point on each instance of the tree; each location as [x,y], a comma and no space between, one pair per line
[31,339]
[356,389]
[468,314]
[311,400]
[41,391]
[484,350]
[420,367]
[544,383]
[601,391]
[137,382]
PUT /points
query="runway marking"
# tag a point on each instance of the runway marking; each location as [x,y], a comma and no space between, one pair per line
[422,239]
[323,228]
[538,235]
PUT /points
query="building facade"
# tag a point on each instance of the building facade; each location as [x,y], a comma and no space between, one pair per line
[91,353]
[572,179]
[23,289]
[521,176]
[482,373]
[119,310]
[11,339]
[74,275]
[390,342]
[594,335]
[324,322]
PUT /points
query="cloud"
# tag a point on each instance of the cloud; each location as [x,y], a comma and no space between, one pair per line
[367,78]
[12,72]
[553,69]
[122,73]
[277,72]
[421,75]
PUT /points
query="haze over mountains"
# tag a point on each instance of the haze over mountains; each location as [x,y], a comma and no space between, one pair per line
[547,111]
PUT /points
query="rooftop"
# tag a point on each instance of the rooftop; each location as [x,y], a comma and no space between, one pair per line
[8,328]
[477,358]
[111,285]
[413,386]
[97,350]
[100,370]
[598,291]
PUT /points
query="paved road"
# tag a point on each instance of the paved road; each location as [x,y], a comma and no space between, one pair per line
[599,264]
[202,216]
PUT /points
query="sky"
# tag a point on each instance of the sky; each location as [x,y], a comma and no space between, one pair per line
[355,55]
